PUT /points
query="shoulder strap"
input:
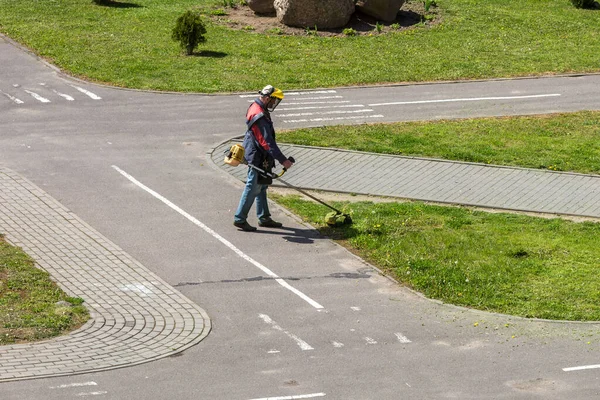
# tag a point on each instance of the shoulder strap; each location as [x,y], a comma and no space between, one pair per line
[253,120]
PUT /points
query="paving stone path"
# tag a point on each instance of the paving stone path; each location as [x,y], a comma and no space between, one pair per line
[439,181]
[135,316]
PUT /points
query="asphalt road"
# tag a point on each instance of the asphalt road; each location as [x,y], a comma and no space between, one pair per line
[360,336]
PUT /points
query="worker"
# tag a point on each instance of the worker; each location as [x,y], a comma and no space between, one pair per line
[261,151]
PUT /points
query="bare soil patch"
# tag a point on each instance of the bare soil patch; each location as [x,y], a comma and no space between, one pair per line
[412,13]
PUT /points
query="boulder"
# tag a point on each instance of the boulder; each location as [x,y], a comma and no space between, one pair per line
[381,10]
[261,6]
[324,14]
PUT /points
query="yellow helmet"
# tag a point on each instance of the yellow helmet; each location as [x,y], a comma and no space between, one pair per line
[276,95]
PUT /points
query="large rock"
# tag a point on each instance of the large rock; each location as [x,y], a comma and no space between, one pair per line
[324,14]
[382,10]
[261,6]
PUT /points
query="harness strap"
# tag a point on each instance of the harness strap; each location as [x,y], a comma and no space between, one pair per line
[253,120]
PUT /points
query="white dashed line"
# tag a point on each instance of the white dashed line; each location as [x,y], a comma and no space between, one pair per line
[301,103]
[466,99]
[355,308]
[92,393]
[87,93]
[295,93]
[337,344]
[291,121]
[37,96]
[221,239]
[14,99]
[65,96]
[327,113]
[70,385]
[402,338]
[584,367]
[300,396]
[370,340]
[303,345]
[320,107]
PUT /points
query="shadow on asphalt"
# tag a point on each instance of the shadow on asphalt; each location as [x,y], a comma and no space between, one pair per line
[294,235]
[308,236]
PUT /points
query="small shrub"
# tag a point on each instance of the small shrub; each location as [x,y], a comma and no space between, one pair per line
[189,31]
[584,3]
[274,31]
[429,4]
[395,26]
[378,27]
[219,12]
[248,28]
[311,32]
[349,32]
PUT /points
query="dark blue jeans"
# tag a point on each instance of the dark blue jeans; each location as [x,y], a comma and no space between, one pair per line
[253,190]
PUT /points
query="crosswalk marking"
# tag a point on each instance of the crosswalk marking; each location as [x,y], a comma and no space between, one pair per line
[303,345]
[37,96]
[14,99]
[42,98]
[87,93]
[402,338]
[63,95]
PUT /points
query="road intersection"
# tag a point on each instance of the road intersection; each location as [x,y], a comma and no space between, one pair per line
[133,167]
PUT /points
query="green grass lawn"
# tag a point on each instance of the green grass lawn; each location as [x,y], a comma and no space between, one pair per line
[500,262]
[507,263]
[28,301]
[559,142]
[131,46]
[513,264]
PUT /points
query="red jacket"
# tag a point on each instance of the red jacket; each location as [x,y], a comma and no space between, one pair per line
[264,133]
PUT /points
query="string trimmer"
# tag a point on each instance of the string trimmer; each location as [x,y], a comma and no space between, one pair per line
[235,156]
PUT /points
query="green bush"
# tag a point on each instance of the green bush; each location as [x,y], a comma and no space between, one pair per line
[189,31]
[350,32]
[584,3]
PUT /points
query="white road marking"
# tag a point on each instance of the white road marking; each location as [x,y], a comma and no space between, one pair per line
[312,98]
[295,93]
[337,344]
[326,113]
[535,96]
[65,96]
[303,345]
[402,338]
[355,308]
[291,121]
[581,368]
[18,101]
[273,351]
[370,340]
[221,239]
[299,396]
[92,393]
[37,96]
[299,103]
[69,385]
[321,107]
[87,93]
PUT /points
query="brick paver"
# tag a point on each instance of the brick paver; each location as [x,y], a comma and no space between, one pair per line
[135,316]
[480,185]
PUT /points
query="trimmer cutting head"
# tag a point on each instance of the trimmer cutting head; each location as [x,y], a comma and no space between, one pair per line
[337,219]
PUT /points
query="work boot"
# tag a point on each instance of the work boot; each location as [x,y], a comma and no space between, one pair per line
[269,223]
[245,226]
